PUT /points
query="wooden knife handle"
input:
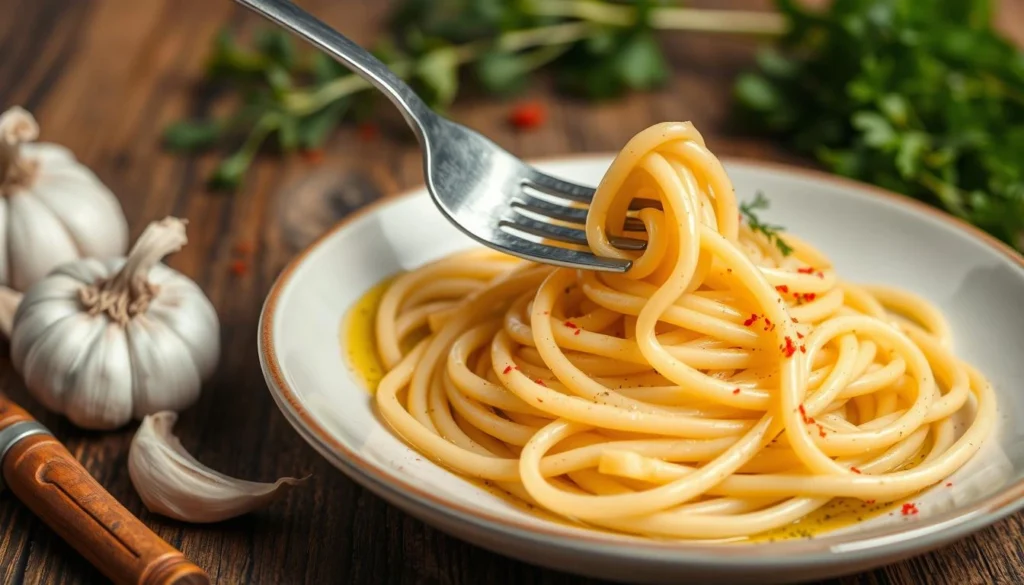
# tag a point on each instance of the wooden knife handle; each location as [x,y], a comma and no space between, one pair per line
[44,475]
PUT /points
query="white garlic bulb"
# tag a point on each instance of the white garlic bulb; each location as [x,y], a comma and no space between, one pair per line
[105,341]
[172,483]
[52,208]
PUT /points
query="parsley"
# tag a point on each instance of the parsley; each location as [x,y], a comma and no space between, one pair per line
[771,232]
[921,97]
[294,99]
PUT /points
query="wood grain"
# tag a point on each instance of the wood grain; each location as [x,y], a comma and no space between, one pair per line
[104,77]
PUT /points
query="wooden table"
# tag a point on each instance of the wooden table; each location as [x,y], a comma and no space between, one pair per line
[105,77]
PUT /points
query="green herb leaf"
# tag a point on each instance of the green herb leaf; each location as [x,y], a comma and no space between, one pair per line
[438,72]
[749,211]
[326,69]
[911,153]
[228,174]
[501,73]
[191,135]
[640,62]
[877,131]
[756,93]
[288,133]
[276,45]
[918,97]
[279,79]
[314,129]
[229,60]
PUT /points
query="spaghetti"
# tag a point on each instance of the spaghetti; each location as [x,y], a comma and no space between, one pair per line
[719,389]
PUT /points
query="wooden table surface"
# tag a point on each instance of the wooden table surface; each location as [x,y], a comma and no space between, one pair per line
[104,77]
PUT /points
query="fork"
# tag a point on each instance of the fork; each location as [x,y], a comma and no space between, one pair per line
[488,193]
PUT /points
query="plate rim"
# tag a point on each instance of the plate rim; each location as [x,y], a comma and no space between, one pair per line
[936,530]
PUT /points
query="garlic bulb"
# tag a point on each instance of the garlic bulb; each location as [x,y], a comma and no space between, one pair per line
[172,483]
[105,341]
[52,209]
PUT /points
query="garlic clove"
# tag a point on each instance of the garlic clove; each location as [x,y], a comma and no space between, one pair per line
[183,308]
[30,325]
[5,269]
[38,242]
[48,153]
[92,216]
[165,375]
[99,392]
[174,484]
[9,301]
[51,361]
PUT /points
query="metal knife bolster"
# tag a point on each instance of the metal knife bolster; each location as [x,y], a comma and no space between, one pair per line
[12,434]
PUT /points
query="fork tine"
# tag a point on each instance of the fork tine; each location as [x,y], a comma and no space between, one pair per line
[565,213]
[567,234]
[559,188]
[547,230]
[641,203]
[552,210]
[634,225]
[566,257]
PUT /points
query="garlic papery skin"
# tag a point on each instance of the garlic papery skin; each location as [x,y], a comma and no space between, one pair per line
[105,341]
[9,301]
[52,208]
[174,484]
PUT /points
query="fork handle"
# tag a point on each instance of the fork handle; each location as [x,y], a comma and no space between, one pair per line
[349,54]
[53,484]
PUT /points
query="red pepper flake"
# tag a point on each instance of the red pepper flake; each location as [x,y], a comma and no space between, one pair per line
[313,157]
[577,332]
[570,325]
[869,502]
[949,484]
[803,349]
[782,288]
[736,391]
[507,369]
[768,324]
[806,270]
[527,115]
[367,131]
[810,297]
[798,334]
[751,320]
[789,349]
[908,509]
[541,382]
[239,268]
[803,414]
[821,431]
[855,470]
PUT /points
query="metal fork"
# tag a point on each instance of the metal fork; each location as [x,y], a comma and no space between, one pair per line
[484,190]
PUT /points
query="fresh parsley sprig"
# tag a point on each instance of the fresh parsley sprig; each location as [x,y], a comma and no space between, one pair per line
[295,99]
[749,211]
[922,97]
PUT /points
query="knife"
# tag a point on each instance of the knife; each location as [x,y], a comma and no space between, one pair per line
[44,475]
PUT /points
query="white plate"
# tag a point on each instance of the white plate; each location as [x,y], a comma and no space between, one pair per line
[871,235]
